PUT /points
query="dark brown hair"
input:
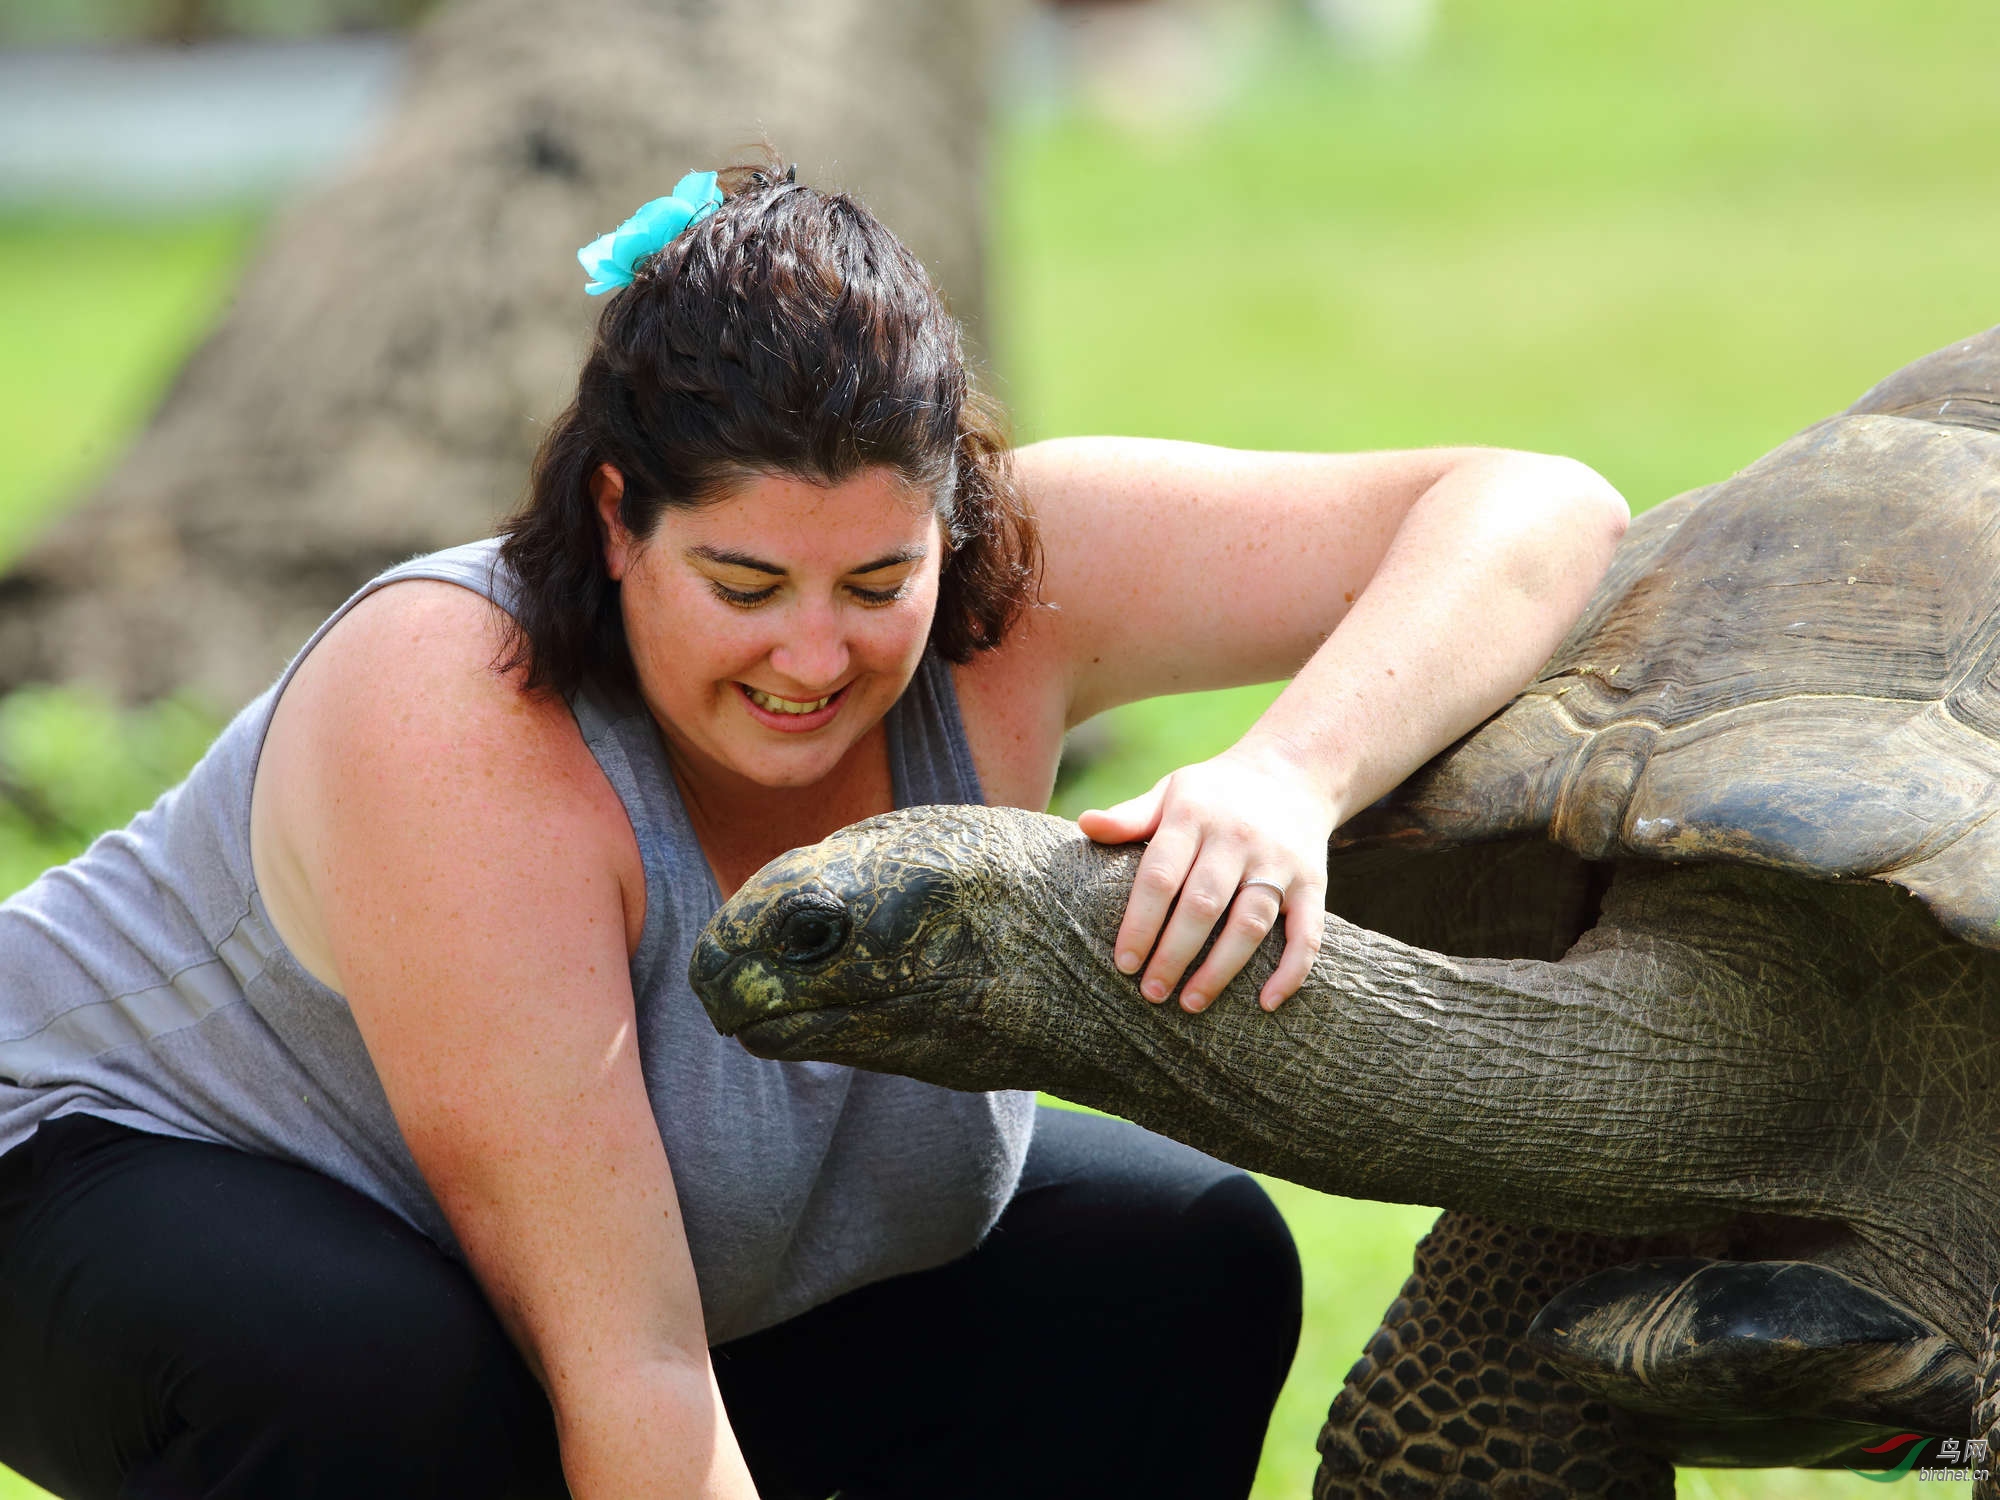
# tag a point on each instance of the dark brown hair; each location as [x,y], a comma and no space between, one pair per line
[787,333]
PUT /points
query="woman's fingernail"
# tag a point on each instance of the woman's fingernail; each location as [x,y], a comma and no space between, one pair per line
[1128,962]
[1193,1000]
[1152,989]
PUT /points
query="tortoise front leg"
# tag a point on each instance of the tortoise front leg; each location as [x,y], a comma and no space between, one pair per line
[1447,1403]
[1986,1411]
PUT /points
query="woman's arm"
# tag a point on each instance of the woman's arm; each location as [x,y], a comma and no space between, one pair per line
[476,886]
[1407,595]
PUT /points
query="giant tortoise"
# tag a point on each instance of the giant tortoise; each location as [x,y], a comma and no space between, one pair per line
[1687,961]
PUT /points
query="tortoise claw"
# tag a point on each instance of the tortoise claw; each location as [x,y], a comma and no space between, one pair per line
[1986,1411]
[1755,1362]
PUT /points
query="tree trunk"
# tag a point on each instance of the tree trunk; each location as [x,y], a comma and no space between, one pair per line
[380,380]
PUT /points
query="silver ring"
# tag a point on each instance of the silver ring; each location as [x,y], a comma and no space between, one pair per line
[1270,885]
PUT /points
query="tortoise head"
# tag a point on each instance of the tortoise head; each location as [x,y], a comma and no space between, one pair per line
[889,935]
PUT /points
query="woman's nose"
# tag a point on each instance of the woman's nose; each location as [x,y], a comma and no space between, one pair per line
[814,652]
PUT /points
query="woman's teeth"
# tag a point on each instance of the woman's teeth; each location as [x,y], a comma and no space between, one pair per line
[786,705]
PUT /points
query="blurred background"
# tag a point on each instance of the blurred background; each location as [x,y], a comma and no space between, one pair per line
[1660,238]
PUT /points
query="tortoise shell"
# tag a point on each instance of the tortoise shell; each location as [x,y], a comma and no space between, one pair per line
[1808,680]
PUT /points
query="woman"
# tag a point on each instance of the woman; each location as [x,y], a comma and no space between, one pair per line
[393,987]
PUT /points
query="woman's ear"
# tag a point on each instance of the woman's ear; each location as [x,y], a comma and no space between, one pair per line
[607,489]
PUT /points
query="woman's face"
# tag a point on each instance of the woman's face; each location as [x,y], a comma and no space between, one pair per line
[774,627]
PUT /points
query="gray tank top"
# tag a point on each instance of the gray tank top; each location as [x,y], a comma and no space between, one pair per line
[143,983]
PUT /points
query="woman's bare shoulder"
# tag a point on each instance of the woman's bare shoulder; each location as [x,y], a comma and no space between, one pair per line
[400,733]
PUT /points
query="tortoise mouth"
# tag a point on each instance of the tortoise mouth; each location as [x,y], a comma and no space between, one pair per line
[793,1037]
[876,1034]
[748,992]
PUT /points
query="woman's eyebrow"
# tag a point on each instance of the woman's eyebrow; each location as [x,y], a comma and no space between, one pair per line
[913,553]
[725,558]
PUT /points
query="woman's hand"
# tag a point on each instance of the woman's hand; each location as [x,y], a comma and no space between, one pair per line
[1239,839]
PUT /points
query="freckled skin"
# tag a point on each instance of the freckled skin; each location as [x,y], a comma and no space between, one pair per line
[1691,953]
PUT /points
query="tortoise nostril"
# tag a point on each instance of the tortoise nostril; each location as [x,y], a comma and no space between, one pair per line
[710,958]
[811,933]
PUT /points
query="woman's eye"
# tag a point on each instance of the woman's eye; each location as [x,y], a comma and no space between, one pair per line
[744,597]
[877,596]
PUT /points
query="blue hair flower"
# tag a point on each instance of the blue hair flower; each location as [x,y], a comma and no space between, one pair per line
[610,257]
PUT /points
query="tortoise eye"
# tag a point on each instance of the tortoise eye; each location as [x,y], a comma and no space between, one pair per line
[811,933]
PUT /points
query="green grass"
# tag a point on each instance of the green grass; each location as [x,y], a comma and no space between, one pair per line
[97,316]
[1659,238]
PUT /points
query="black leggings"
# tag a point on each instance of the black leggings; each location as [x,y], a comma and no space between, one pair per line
[181,1320]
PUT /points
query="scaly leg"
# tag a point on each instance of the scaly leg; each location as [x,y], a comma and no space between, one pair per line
[1447,1404]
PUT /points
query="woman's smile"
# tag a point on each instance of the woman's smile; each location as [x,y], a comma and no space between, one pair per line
[791,715]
